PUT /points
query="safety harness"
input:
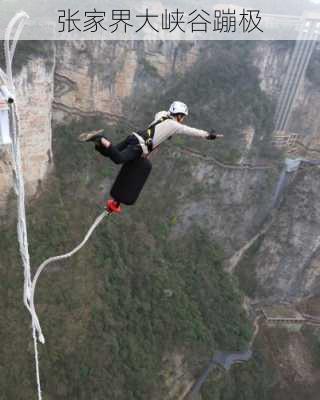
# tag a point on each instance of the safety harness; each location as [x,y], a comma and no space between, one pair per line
[145,137]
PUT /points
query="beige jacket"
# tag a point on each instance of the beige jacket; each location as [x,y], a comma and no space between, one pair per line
[168,128]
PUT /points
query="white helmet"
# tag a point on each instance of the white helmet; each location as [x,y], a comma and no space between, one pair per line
[177,107]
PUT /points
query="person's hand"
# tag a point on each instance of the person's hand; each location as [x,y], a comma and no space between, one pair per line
[212,135]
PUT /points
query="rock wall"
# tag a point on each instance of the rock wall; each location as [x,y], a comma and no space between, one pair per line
[5,176]
[287,262]
[287,259]
[272,60]
[35,96]
[236,201]
[34,86]
[95,77]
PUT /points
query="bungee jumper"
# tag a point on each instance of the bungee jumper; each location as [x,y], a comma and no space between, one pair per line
[134,151]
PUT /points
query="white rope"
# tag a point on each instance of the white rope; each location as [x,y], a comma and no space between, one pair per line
[22,233]
[50,260]
[36,357]
[7,78]
[17,21]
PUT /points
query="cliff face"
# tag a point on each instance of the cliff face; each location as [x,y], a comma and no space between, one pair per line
[34,86]
[95,77]
[272,60]
[287,262]
[35,93]
[5,177]
[236,200]
[287,257]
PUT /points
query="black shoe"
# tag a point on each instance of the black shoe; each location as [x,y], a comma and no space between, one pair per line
[93,136]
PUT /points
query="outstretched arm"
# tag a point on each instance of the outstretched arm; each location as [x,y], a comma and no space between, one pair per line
[188,130]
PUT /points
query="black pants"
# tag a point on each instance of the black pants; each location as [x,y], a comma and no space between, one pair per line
[127,150]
